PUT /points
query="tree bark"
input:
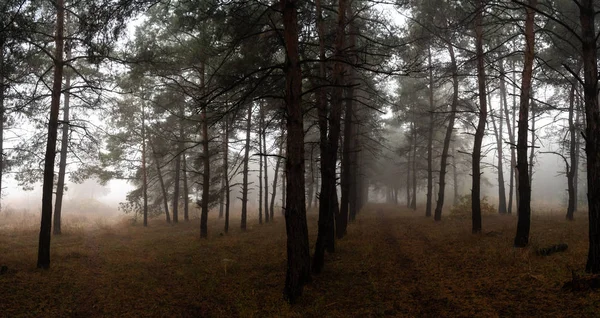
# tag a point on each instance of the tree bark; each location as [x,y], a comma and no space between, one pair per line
[448,137]
[328,206]
[245,172]
[476,156]
[265,173]
[226,171]
[176,184]
[430,144]
[43,260]
[413,202]
[456,198]
[498,136]
[2,112]
[144,168]
[206,166]
[186,189]
[532,149]
[572,156]
[64,143]
[161,181]
[277,164]
[592,130]
[260,165]
[524,221]
[511,136]
[298,263]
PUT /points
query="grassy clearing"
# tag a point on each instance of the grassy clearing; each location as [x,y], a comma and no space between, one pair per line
[392,263]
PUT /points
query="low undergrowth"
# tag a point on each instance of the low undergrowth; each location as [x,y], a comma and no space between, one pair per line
[392,263]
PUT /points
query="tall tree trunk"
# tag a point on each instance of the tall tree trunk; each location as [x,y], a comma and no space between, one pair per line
[498,136]
[456,198]
[350,134]
[511,136]
[277,164]
[328,207]
[2,112]
[144,168]
[514,134]
[265,173]
[430,144]
[523,224]
[413,202]
[448,137]
[186,189]
[575,165]
[43,260]
[592,131]
[532,149]
[311,174]
[183,169]
[573,159]
[476,161]
[298,262]
[64,143]
[176,183]
[260,165]
[206,165]
[161,181]
[245,172]
[226,171]
[408,168]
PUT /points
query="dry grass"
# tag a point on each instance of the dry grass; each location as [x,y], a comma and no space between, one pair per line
[392,263]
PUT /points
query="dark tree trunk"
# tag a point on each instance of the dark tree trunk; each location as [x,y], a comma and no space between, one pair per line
[205,176]
[413,202]
[311,173]
[532,149]
[523,224]
[161,181]
[260,166]
[328,208]
[456,198]
[2,113]
[144,168]
[448,137]
[572,154]
[498,135]
[592,131]
[298,263]
[514,133]
[64,144]
[206,166]
[408,166]
[43,260]
[265,173]
[176,184]
[245,172]
[277,164]
[511,136]
[226,171]
[186,189]
[476,161]
[430,144]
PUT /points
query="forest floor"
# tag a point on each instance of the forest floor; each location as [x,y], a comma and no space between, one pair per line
[393,262]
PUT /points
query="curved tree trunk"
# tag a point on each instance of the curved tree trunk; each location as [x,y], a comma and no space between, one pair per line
[226,171]
[43,260]
[523,224]
[448,137]
[161,181]
[476,161]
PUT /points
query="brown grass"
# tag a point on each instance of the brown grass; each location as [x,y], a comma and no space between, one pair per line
[392,263]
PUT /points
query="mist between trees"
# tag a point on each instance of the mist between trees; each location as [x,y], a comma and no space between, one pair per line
[300,105]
